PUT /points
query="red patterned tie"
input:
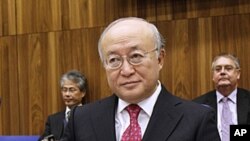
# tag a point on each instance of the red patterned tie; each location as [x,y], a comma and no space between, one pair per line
[133,132]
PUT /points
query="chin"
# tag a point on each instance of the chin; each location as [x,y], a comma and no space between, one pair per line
[134,91]
[68,104]
[132,99]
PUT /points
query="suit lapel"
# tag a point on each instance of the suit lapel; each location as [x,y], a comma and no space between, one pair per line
[59,125]
[164,118]
[211,100]
[242,107]
[104,119]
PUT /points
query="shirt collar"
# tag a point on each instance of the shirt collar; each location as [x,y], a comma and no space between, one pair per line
[67,110]
[147,104]
[231,96]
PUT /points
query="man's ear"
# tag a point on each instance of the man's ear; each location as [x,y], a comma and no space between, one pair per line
[161,57]
[238,77]
[83,94]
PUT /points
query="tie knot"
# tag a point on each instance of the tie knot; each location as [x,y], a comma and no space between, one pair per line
[133,110]
[225,99]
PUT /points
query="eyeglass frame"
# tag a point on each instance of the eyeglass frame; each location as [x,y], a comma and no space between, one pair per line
[227,68]
[122,58]
[70,90]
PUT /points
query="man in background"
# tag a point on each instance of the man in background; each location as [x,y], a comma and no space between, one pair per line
[132,53]
[73,88]
[232,104]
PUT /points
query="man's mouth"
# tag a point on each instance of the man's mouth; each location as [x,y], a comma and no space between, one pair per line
[130,83]
[223,79]
[67,100]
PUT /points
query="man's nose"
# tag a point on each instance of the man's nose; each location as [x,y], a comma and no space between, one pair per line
[223,71]
[127,69]
[68,92]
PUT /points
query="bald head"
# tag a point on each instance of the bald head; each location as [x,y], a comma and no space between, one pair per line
[129,27]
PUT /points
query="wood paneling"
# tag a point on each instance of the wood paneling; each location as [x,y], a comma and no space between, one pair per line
[42,39]
[38,16]
[83,13]
[7,17]
[9,86]
[52,15]
[33,80]
[183,9]
[191,46]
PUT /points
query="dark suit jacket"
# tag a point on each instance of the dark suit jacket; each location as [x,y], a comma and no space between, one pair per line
[172,119]
[54,125]
[243,104]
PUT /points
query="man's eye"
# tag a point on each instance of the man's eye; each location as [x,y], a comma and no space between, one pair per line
[136,56]
[112,60]
[64,89]
[228,67]
[72,89]
[218,69]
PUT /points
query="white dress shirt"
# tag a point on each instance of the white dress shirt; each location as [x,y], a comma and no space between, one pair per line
[122,119]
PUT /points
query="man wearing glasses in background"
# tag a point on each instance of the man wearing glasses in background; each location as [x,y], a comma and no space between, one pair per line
[131,50]
[73,88]
[232,104]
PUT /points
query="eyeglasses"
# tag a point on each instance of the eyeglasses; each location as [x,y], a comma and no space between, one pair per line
[227,68]
[70,90]
[134,58]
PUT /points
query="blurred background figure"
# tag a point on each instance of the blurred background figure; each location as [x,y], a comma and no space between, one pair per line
[230,102]
[73,89]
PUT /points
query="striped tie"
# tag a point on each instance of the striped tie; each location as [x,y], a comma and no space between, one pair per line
[226,119]
[67,116]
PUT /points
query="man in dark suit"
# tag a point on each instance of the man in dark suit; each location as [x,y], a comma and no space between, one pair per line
[132,53]
[226,73]
[73,89]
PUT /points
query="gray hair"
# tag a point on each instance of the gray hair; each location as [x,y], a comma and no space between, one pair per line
[76,77]
[159,40]
[229,56]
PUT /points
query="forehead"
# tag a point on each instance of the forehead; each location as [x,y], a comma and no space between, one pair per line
[131,33]
[224,61]
[128,26]
[67,83]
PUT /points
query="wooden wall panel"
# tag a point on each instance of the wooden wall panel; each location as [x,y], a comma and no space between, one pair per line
[38,16]
[182,9]
[46,15]
[50,37]
[9,86]
[92,66]
[191,46]
[202,76]
[7,17]
[33,81]
[82,13]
